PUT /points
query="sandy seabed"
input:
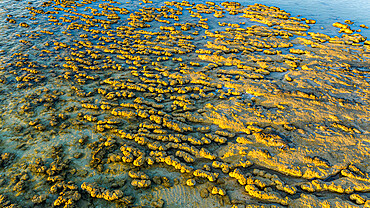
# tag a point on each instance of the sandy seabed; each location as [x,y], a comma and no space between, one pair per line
[180,104]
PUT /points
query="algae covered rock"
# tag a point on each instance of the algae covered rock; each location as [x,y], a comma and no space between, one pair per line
[209,104]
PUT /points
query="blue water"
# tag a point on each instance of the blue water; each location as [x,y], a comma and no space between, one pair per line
[326,12]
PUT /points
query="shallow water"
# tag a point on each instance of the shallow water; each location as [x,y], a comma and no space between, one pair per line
[227,117]
[326,12]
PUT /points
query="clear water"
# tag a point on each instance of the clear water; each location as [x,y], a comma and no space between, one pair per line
[326,12]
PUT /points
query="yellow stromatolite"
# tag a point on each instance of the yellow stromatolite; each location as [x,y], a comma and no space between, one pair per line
[100,192]
[219,191]
[238,175]
[190,182]
[206,174]
[268,196]
[141,183]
